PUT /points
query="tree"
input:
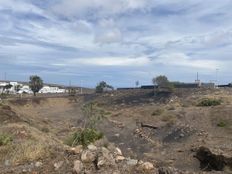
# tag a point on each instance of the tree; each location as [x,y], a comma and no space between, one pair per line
[7,87]
[36,83]
[101,86]
[163,83]
[160,81]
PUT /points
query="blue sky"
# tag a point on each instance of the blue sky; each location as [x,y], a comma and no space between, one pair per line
[121,41]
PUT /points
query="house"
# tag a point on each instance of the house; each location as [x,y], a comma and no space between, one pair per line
[51,90]
[25,89]
[2,86]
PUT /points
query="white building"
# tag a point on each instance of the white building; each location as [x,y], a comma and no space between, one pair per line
[52,90]
[25,89]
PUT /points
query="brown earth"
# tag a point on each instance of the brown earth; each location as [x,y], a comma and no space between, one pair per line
[39,126]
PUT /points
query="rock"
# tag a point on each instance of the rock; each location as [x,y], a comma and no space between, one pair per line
[132,162]
[74,150]
[88,156]
[118,151]
[213,159]
[7,163]
[181,135]
[58,165]
[117,135]
[147,166]
[78,166]
[105,158]
[38,164]
[119,158]
[92,147]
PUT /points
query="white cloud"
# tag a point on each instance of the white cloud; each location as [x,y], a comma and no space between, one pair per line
[97,8]
[111,61]
[180,59]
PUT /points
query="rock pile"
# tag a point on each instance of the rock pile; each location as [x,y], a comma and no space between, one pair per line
[104,160]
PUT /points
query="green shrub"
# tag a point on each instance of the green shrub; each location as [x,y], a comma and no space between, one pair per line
[5,139]
[84,137]
[221,124]
[209,102]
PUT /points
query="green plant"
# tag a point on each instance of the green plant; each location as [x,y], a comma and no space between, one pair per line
[101,86]
[35,83]
[92,115]
[84,137]
[5,139]
[222,124]
[209,102]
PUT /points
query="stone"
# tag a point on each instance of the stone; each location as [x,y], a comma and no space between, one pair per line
[147,166]
[58,165]
[78,166]
[132,162]
[118,151]
[88,156]
[181,135]
[105,158]
[7,163]
[92,147]
[119,158]
[38,164]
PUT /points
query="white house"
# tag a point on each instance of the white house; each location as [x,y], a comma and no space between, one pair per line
[2,86]
[49,89]
[25,89]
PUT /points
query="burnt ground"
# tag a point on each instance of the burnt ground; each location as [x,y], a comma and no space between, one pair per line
[181,126]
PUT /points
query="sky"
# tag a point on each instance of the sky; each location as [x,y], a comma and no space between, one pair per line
[118,41]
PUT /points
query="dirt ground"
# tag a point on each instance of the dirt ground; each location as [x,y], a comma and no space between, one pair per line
[180,125]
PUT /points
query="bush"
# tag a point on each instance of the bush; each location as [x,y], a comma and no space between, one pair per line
[84,137]
[221,124]
[5,139]
[209,102]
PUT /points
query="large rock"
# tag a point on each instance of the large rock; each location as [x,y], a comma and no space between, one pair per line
[88,156]
[212,159]
[78,167]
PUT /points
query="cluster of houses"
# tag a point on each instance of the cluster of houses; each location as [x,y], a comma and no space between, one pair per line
[19,88]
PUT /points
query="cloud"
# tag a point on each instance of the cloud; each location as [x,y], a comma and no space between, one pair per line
[97,8]
[111,61]
[180,59]
[125,36]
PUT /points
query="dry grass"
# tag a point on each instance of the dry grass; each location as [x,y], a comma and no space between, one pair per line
[29,151]
[34,146]
[170,119]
